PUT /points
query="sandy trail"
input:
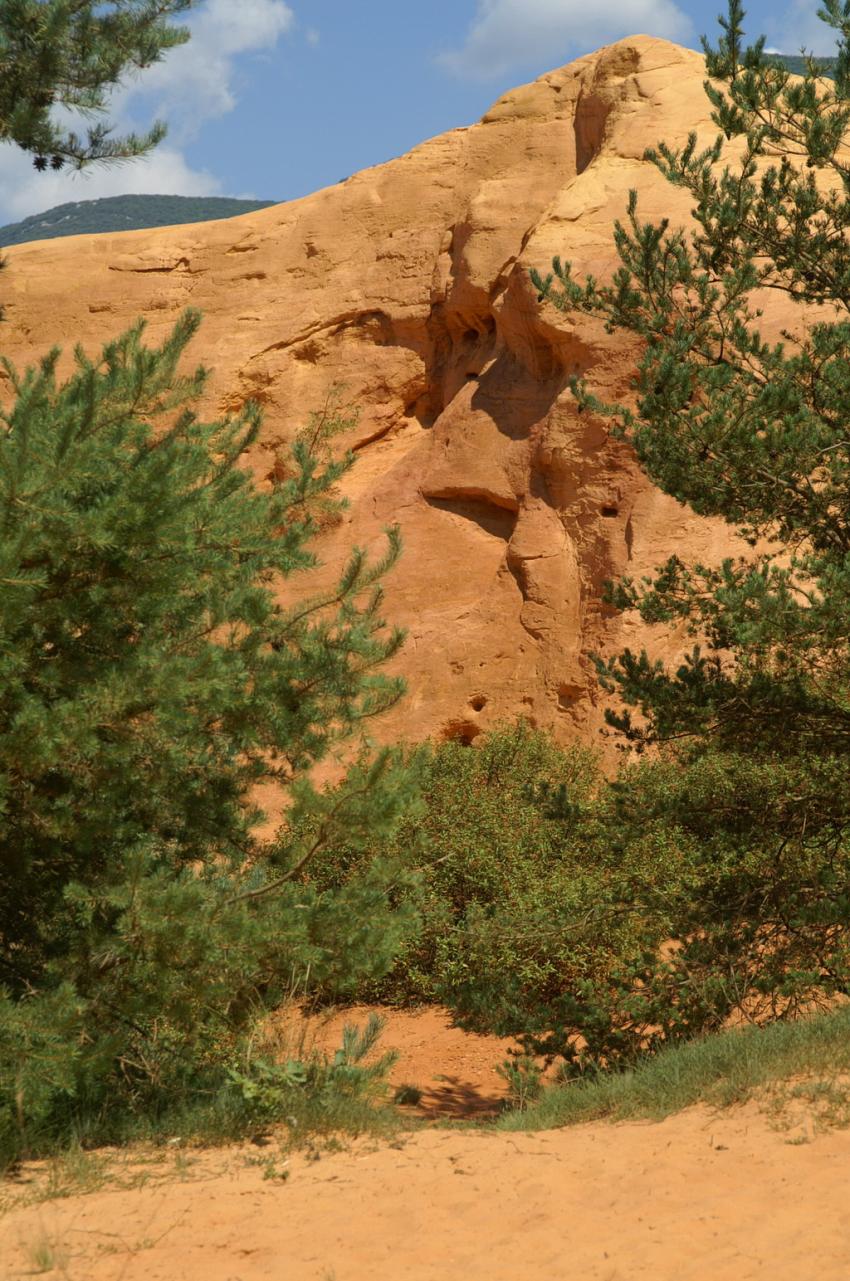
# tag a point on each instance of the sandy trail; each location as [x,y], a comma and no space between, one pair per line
[698,1197]
[702,1196]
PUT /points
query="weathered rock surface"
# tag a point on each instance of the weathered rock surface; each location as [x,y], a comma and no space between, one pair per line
[408,283]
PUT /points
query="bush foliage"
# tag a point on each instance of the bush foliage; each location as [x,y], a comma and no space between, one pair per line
[598,920]
[481,839]
[675,910]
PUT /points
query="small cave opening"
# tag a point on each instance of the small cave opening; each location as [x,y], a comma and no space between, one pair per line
[460,731]
[610,509]
[478,702]
[423,408]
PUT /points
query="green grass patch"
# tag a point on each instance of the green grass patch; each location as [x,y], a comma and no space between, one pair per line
[719,1070]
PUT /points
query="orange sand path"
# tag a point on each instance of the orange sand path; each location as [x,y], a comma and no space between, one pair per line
[698,1197]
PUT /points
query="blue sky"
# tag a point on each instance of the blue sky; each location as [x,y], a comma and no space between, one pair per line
[276,98]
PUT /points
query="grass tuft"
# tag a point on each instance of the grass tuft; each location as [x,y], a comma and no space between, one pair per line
[46,1255]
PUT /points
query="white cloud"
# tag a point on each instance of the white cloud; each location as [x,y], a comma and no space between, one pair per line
[546,33]
[193,84]
[798,27]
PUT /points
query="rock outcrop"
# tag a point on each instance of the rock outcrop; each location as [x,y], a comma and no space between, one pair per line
[409,285]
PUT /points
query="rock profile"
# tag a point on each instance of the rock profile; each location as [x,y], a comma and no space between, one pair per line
[409,285]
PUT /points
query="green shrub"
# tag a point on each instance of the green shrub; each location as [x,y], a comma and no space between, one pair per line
[524,1079]
[483,837]
[688,898]
[318,1093]
[601,921]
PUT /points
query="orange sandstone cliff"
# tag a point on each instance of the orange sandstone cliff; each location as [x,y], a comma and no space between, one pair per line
[408,283]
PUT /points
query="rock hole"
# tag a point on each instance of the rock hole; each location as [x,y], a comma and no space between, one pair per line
[568,695]
[422,409]
[610,509]
[461,731]
[478,703]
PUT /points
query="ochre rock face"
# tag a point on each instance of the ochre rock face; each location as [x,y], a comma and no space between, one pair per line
[409,285]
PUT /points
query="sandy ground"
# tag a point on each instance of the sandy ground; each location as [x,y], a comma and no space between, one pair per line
[702,1196]
[694,1198]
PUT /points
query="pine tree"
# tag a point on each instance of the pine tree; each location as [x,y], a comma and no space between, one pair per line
[156,666]
[752,431]
[70,54]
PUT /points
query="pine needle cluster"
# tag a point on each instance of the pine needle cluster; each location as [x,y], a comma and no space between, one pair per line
[70,54]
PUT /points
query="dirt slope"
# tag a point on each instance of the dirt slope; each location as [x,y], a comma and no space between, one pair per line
[455,1071]
[409,284]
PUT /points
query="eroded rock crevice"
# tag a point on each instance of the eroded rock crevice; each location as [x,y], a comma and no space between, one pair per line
[493,518]
[592,112]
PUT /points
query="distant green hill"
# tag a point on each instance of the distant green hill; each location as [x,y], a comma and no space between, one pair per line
[124,213]
[797,65]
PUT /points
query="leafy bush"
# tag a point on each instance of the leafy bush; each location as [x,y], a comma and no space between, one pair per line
[694,892]
[482,837]
[600,921]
